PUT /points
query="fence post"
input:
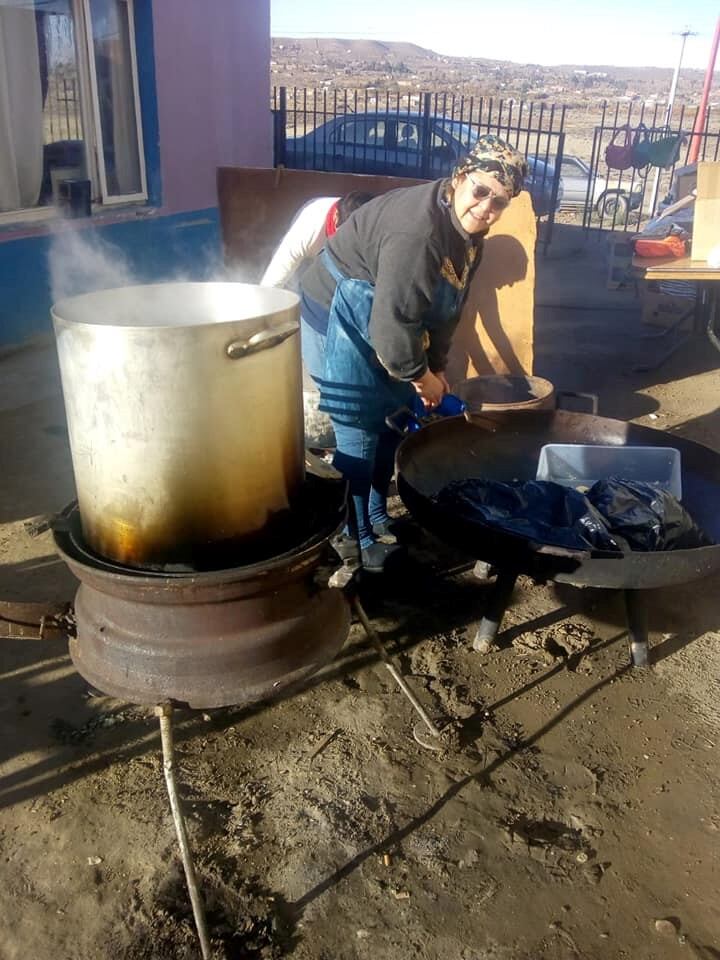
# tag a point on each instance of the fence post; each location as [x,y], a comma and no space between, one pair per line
[425,163]
[554,192]
[592,176]
[280,129]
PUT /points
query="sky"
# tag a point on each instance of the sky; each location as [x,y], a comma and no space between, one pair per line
[615,32]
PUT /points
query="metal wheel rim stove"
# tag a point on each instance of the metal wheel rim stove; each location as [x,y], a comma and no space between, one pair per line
[216,638]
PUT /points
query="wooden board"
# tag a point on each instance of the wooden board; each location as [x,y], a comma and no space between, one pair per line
[706,224]
[496,329]
[257,205]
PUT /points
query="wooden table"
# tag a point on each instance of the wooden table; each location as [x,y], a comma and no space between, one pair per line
[669,268]
[706,303]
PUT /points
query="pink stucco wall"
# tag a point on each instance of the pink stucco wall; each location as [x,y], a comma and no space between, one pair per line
[212,63]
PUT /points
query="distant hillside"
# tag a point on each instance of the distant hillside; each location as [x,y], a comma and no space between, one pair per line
[319,52]
[308,47]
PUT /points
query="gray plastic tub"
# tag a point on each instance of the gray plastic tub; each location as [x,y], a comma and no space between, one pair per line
[581,465]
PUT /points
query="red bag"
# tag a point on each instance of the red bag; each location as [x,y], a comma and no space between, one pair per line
[619,156]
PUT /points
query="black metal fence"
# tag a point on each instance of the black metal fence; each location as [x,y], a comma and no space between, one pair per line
[639,193]
[62,115]
[419,135]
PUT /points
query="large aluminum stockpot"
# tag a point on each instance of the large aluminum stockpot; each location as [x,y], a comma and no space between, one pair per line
[184,409]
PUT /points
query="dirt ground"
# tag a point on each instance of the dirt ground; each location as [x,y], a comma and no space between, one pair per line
[574,817]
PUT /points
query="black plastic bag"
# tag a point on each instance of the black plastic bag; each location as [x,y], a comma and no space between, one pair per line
[647,517]
[537,510]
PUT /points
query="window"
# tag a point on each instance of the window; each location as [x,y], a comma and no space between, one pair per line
[443,155]
[571,168]
[408,136]
[459,131]
[68,81]
[361,133]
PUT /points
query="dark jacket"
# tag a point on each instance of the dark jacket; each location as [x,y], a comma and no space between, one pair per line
[404,243]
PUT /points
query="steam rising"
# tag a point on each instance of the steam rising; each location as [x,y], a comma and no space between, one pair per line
[81,262]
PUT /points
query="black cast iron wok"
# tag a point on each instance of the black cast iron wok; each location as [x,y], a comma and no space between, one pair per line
[506,446]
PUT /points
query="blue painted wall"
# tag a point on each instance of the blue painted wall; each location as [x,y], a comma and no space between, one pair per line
[184,245]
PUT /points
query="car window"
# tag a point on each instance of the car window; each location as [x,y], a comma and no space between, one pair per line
[368,132]
[571,169]
[408,135]
[460,131]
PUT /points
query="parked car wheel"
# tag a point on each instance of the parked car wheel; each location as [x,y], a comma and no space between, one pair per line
[612,206]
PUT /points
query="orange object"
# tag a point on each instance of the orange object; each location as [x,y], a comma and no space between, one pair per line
[671,246]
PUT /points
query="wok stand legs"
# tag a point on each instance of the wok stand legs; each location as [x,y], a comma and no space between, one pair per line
[394,672]
[164,712]
[499,599]
[497,605]
[636,613]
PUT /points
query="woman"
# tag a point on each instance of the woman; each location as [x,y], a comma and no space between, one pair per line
[316,220]
[379,308]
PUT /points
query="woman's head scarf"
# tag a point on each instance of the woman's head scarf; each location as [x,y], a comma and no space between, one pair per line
[492,155]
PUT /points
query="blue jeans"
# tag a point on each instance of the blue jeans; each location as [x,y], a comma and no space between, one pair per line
[366,459]
[313,350]
[365,448]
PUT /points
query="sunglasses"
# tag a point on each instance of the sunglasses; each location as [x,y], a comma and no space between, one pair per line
[481,192]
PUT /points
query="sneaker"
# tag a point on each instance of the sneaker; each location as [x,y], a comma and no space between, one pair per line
[346,547]
[400,529]
[384,531]
[377,555]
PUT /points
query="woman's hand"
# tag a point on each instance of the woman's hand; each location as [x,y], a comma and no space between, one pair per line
[440,374]
[431,388]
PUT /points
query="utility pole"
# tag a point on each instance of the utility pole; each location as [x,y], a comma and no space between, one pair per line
[668,112]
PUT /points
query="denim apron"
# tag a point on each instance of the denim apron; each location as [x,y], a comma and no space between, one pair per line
[356,389]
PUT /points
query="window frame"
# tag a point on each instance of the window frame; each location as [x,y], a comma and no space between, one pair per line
[98,148]
[86,95]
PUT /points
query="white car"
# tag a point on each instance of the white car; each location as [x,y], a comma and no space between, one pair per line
[609,200]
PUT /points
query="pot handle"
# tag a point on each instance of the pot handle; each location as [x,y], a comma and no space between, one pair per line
[550,550]
[591,398]
[262,340]
[477,417]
